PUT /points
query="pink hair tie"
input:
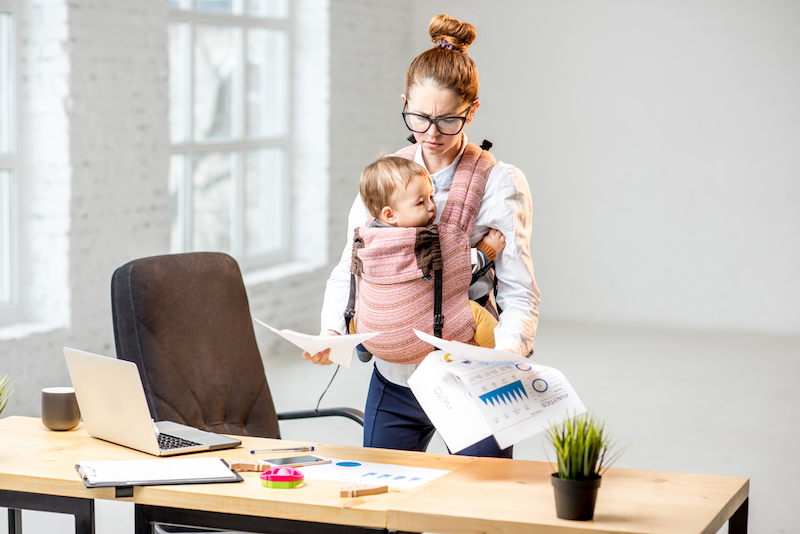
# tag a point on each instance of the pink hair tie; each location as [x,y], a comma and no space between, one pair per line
[441,43]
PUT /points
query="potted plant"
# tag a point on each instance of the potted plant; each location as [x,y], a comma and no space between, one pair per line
[5,392]
[584,452]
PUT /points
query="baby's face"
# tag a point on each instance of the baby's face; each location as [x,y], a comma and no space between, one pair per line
[413,205]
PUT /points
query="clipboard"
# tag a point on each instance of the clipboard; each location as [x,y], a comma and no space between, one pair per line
[124,475]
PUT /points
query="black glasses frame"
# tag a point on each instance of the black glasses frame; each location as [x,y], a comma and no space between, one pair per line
[435,121]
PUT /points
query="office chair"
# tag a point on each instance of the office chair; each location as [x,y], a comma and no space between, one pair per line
[184,320]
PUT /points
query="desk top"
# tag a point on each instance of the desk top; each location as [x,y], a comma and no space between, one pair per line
[37,460]
[479,495]
[520,492]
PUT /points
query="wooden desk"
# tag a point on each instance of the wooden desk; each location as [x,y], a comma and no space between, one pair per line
[513,497]
[479,495]
[35,461]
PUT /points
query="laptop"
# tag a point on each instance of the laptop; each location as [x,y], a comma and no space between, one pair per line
[114,408]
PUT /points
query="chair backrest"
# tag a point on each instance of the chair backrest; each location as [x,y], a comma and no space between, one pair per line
[184,319]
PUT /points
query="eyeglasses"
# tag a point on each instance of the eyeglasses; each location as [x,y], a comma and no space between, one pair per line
[445,125]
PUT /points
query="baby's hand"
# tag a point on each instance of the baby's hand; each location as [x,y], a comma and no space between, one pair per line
[496,240]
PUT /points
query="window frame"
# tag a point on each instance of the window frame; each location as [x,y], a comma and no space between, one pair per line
[239,145]
[11,310]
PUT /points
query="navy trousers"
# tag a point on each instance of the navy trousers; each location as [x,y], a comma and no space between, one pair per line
[393,419]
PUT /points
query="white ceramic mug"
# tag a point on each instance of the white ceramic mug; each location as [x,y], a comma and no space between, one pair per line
[60,408]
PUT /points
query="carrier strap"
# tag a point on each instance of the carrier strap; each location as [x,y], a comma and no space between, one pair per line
[355,270]
[428,251]
[350,310]
[438,317]
[429,257]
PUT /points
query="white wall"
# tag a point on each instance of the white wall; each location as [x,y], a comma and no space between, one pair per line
[370,51]
[661,140]
[93,105]
[93,118]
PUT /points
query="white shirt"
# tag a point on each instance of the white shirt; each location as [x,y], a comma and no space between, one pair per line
[506,206]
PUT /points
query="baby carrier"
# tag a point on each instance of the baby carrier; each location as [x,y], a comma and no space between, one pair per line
[417,278]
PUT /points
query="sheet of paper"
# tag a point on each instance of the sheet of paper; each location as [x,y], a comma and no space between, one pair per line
[341,346]
[472,352]
[517,400]
[394,476]
[516,397]
[448,404]
[165,470]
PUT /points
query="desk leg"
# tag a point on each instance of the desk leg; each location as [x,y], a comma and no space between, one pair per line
[737,524]
[14,521]
[141,521]
[16,501]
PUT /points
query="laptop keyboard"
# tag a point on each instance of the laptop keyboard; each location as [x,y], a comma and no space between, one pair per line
[167,442]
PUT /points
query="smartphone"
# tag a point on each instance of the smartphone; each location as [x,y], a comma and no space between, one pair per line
[297,461]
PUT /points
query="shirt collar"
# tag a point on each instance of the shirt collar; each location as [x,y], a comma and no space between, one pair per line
[443,179]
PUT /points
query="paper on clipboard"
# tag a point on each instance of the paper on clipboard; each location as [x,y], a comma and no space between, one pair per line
[154,472]
[341,346]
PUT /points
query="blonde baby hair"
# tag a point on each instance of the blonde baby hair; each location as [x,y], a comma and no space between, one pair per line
[381,178]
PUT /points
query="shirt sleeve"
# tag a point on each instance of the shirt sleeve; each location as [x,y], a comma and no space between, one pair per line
[507,206]
[337,290]
[479,259]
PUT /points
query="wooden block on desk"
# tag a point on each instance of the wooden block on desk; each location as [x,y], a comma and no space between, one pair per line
[248,465]
[360,491]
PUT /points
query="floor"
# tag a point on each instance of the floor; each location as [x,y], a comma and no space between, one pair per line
[686,401]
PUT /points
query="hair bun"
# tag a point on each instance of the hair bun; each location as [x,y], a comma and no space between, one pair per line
[459,34]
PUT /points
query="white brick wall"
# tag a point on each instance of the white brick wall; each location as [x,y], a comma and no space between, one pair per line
[119,149]
[96,148]
[94,141]
[365,69]
[44,192]
[369,56]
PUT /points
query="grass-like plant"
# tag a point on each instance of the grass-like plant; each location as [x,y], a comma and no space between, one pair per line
[583,448]
[5,392]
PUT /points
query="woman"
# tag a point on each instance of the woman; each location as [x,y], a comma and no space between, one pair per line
[440,98]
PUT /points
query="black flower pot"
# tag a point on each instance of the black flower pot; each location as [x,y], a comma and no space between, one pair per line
[575,498]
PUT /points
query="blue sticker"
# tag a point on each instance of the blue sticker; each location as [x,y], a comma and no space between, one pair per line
[348,464]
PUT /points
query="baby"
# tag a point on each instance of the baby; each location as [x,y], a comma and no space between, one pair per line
[399,192]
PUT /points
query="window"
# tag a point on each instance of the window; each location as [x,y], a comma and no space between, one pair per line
[8,159]
[229,128]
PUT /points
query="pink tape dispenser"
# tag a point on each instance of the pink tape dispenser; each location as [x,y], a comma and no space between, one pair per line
[282,477]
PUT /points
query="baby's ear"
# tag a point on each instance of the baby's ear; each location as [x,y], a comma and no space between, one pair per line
[387,214]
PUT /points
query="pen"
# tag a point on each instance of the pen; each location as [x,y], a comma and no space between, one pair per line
[298,449]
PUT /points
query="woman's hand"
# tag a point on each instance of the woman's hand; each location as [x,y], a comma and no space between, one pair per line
[321,358]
